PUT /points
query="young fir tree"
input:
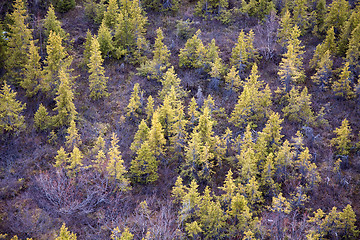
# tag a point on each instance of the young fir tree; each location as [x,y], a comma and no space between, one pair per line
[144,167]
[338,13]
[211,57]
[178,131]
[64,5]
[342,85]
[134,106]
[42,119]
[286,24]
[11,119]
[72,138]
[51,24]
[243,53]
[19,38]
[353,52]
[33,73]
[115,166]
[141,136]
[87,48]
[188,55]
[65,108]
[254,101]
[301,15]
[168,81]
[65,234]
[327,45]
[342,140]
[166,116]
[129,29]
[156,140]
[97,78]
[61,158]
[323,74]
[347,29]
[299,107]
[75,162]
[111,14]
[161,52]
[149,109]
[105,40]
[57,58]
[319,15]
[233,80]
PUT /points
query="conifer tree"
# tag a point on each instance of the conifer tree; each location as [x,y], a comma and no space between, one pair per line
[97,78]
[353,52]
[342,85]
[111,13]
[149,110]
[65,234]
[347,29]
[32,74]
[267,175]
[61,158]
[299,107]
[342,140]
[338,13]
[243,52]
[141,136]
[73,138]
[323,74]
[105,40]
[211,57]
[166,116]
[193,111]
[156,135]
[169,80]
[134,106]
[319,16]
[144,167]
[87,47]
[286,24]
[161,52]
[100,157]
[65,108]
[188,56]
[75,162]
[115,166]
[18,43]
[232,80]
[281,207]
[56,59]
[254,102]
[11,119]
[284,160]
[205,127]
[51,24]
[178,131]
[42,119]
[327,45]
[301,13]
[64,5]
[253,193]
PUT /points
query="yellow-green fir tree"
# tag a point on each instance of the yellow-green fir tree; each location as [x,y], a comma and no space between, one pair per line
[111,14]
[135,103]
[342,140]
[338,14]
[342,85]
[105,40]
[65,234]
[42,120]
[51,24]
[323,75]
[187,55]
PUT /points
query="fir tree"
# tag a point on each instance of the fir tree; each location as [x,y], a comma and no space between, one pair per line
[338,13]
[286,24]
[61,158]
[75,162]
[188,56]
[87,48]
[156,135]
[319,16]
[342,140]
[141,136]
[301,13]
[144,167]
[115,166]
[73,138]
[323,74]
[18,43]
[353,52]
[42,119]
[11,119]
[65,234]
[342,85]
[233,80]
[51,24]
[111,13]
[105,40]
[169,80]
[134,106]
[64,5]
[97,78]
[65,108]
[327,45]
[161,52]
[347,29]
[149,110]
[33,74]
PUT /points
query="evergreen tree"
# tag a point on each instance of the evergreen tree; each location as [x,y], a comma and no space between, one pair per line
[64,102]
[111,14]
[284,160]
[19,38]
[353,52]
[253,193]
[141,136]
[338,13]
[342,85]
[299,107]
[188,56]
[347,29]
[166,116]
[323,74]
[134,106]
[193,111]
[149,110]
[87,48]
[267,175]
[115,166]
[254,102]
[301,14]
[178,131]
[56,59]
[61,158]
[327,45]
[105,40]
[342,140]
[42,119]
[161,52]
[75,162]
[205,127]
[51,24]
[144,167]
[233,80]
[156,135]
[64,5]
[168,81]
[319,16]
[65,234]
[32,74]
[286,24]
[11,119]
[73,138]
[97,77]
